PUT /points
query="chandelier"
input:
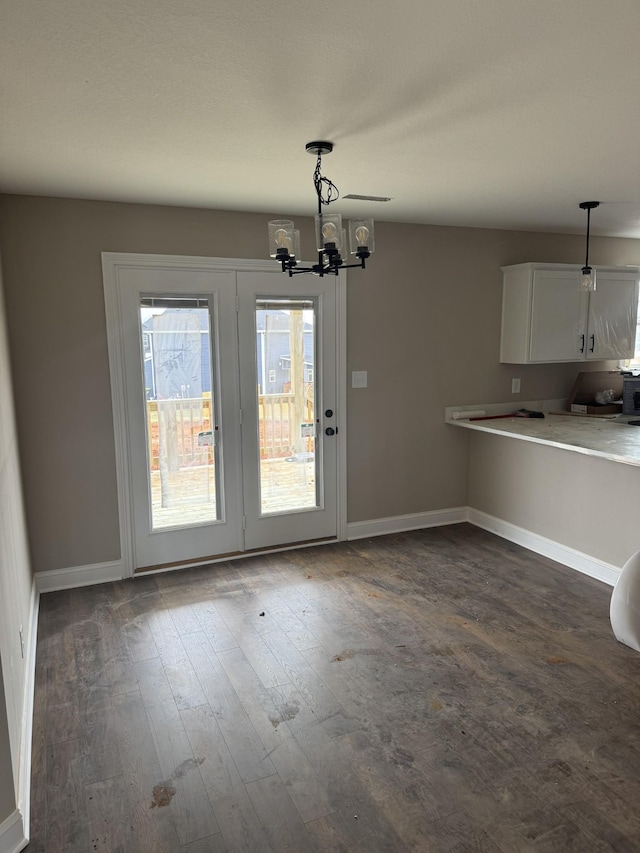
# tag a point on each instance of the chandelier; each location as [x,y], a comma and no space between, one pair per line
[331,238]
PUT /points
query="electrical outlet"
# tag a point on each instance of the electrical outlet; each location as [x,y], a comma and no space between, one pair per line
[515,386]
[21,641]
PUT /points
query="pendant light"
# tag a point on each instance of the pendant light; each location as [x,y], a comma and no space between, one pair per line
[588,274]
[331,238]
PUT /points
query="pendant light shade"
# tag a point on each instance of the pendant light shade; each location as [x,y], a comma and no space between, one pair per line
[361,239]
[588,279]
[329,233]
[588,274]
[280,238]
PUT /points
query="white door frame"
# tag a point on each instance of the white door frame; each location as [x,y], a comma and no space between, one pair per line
[112,262]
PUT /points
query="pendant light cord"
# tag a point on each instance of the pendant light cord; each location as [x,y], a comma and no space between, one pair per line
[586,262]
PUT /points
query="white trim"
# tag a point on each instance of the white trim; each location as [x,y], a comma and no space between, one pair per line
[563,554]
[115,346]
[12,835]
[570,557]
[136,259]
[606,572]
[79,576]
[24,778]
[402,523]
[341,390]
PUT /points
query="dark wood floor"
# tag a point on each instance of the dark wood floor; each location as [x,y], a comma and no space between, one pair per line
[442,690]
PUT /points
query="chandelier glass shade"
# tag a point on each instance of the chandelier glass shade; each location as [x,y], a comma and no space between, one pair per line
[588,274]
[331,236]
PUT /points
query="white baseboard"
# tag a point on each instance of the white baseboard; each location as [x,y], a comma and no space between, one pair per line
[79,576]
[114,571]
[12,834]
[403,523]
[584,563]
[534,542]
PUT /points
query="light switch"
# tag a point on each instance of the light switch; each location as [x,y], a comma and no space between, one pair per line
[358,378]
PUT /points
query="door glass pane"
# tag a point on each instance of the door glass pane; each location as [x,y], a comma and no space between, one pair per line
[180,416]
[286,372]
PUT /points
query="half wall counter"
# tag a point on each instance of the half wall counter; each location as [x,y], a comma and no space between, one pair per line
[565,486]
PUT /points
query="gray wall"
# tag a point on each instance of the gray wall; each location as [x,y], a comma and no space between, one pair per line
[423,320]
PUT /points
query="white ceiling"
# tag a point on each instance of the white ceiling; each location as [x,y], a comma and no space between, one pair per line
[492,113]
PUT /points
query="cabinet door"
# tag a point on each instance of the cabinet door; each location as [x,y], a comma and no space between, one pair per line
[558,313]
[613,308]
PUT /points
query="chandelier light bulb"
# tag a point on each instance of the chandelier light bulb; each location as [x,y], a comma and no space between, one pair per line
[362,232]
[282,240]
[329,232]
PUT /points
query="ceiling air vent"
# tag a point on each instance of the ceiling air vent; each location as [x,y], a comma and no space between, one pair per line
[367,197]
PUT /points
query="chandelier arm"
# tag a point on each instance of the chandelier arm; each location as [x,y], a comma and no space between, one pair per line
[320,271]
[360,266]
[325,269]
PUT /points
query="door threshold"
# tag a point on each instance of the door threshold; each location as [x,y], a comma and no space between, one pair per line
[232,555]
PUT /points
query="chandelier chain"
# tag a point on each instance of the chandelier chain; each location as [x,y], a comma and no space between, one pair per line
[331,190]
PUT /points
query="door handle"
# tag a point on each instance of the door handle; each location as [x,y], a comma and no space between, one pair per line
[593,343]
[329,431]
[581,343]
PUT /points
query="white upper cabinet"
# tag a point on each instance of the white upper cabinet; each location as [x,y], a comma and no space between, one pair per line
[612,316]
[557,308]
[546,318]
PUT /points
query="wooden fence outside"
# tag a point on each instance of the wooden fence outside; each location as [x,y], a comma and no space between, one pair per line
[185,423]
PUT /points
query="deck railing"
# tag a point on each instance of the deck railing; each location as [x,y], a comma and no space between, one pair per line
[276,419]
[183,424]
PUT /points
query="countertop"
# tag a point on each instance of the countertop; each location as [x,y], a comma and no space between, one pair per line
[609,439]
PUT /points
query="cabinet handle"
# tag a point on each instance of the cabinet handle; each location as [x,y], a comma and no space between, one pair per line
[582,343]
[593,343]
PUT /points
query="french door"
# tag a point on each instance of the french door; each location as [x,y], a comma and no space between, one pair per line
[226,385]
[287,343]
